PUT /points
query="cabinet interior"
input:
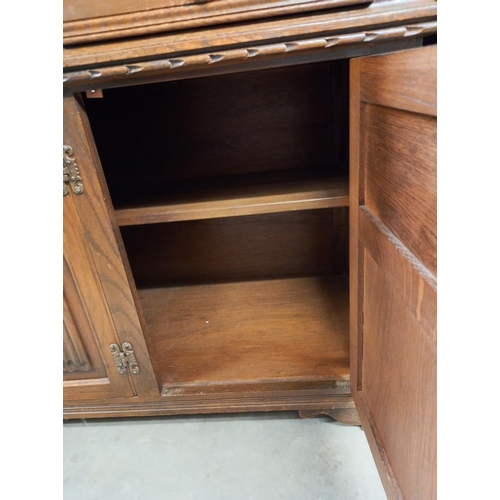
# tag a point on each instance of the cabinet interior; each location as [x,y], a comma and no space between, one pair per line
[231,193]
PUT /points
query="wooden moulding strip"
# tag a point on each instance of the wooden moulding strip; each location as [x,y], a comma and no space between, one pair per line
[196,15]
[176,405]
[225,37]
[101,77]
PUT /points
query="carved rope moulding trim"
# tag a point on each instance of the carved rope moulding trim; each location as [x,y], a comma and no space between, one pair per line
[241,54]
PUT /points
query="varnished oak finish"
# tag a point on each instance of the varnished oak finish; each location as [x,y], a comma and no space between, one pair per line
[239,248]
[221,249]
[289,400]
[393,265]
[250,40]
[80,351]
[95,235]
[249,336]
[244,195]
[276,120]
[88,324]
[92,21]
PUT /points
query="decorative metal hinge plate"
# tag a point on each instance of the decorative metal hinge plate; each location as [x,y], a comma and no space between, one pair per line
[71,175]
[125,358]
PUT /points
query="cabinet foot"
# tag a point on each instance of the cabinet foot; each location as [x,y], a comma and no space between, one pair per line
[347,416]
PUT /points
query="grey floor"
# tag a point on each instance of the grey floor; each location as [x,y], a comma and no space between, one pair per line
[264,456]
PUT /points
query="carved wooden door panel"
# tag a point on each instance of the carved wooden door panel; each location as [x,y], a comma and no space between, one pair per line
[393,265]
[99,305]
[88,330]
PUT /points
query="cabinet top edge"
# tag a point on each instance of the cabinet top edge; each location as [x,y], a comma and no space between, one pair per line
[248,34]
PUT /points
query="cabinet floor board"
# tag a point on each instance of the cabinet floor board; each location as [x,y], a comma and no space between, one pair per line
[256,335]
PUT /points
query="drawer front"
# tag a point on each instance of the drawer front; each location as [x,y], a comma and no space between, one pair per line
[90,21]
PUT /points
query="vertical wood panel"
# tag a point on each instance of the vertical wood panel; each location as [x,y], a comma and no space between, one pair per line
[393,265]
[401,82]
[88,312]
[91,210]
[399,383]
[400,177]
[81,358]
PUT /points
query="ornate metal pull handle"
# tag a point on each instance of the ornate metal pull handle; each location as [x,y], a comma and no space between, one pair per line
[71,175]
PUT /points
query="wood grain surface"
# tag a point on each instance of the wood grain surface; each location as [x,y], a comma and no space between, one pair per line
[401,181]
[277,119]
[81,358]
[91,21]
[399,383]
[224,402]
[285,244]
[86,317]
[270,334]
[93,229]
[237,195]
[393,265]
[250,35]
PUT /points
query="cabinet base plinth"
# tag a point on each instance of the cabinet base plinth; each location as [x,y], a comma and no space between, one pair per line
[347,416]
[302,401]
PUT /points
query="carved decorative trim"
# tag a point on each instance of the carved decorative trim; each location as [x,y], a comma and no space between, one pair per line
[73,362]
[75,357]
[71,175]
[95,76]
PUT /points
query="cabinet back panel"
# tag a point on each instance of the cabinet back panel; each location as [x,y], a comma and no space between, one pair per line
[312,242]
[276,119]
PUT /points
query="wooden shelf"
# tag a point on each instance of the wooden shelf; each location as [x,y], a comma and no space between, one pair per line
[236,195]
[249,336]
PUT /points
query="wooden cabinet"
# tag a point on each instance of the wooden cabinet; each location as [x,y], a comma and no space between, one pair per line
[257,228]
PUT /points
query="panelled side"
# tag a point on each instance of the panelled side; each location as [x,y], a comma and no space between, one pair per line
[393,265]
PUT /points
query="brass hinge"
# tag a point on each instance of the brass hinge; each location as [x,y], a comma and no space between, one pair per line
[71,174]
[124,359]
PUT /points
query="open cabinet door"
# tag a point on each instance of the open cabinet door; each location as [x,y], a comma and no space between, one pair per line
[101,326]
[393,265]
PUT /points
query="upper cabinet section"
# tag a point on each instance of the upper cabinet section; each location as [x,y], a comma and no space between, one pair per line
[142,53]
[92,20]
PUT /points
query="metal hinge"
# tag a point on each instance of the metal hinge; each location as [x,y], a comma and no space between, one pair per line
[124,358]
[71,175]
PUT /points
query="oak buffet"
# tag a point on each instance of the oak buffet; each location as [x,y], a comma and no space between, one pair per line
[250,216]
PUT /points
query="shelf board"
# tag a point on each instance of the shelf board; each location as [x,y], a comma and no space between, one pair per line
[249,336]
[230,196]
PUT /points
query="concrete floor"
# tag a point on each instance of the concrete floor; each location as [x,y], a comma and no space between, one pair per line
[264,456]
